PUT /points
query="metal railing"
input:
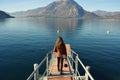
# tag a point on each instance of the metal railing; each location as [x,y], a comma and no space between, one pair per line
[72,59]
[35,73]
[77,60]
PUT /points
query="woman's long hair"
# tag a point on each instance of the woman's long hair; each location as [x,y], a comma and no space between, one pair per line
[60,45]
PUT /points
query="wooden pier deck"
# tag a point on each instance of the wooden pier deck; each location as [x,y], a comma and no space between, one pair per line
[67,72]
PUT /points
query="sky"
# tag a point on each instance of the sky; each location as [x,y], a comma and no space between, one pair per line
[89,5]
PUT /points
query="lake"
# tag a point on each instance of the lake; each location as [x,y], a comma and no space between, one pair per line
[25,41]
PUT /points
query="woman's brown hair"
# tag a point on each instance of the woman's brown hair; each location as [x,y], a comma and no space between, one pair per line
[60,46]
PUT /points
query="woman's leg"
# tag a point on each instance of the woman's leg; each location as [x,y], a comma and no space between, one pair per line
[58,65]
[61,64]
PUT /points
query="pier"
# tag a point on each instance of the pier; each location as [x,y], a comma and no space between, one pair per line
[69,72]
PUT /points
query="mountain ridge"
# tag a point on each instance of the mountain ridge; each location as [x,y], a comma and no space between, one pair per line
[4,15]
[107,14]
[58,8]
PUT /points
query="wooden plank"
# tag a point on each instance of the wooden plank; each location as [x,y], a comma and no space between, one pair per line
[68,49]
[60,78]
[53,68]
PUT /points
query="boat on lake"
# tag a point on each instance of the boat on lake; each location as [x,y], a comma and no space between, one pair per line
[69,72]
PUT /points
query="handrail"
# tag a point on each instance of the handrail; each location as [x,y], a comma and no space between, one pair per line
[44,73]
[32,74]
[77,70]
[79,75]
[85,69]
[83,66]
[73,52]
[76,60]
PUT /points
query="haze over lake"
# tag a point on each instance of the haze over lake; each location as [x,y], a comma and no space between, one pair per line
[25,41]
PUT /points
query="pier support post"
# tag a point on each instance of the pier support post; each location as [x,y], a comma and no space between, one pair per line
[47,64]
[36,71]
[72,57]
[76,66]
[86,75]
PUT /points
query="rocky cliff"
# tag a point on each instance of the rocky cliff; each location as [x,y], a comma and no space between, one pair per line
[4,15]
[58,8]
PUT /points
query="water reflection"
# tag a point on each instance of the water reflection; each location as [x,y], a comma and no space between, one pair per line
[65,25]
[3,20]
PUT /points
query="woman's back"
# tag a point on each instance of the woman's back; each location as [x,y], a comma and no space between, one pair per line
[60,47]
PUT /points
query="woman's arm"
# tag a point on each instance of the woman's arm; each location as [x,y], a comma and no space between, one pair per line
[55,46]
[55,49]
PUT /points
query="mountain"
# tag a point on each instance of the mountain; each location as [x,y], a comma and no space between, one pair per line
[58,8]
[106,14]
[4,15]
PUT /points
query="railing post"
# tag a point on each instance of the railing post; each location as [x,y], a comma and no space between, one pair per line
[72,56]
[47,64]
[86,75]
[76,65]
[36,71]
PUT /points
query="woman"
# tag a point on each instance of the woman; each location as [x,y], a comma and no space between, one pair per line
[60,50]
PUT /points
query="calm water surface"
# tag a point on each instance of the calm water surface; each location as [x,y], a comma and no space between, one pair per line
[25,41]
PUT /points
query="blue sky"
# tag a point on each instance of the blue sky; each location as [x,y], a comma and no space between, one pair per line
[89,5]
